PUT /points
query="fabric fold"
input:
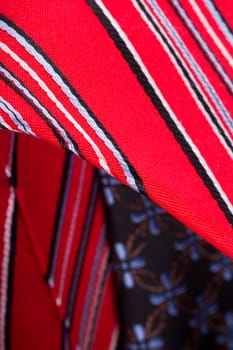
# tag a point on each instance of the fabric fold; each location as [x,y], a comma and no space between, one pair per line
[141,89]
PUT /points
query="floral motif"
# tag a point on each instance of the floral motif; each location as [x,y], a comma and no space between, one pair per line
[147,336]
[107,185]
[141,342]
[168,295]
[203,312]
[191,243]
[223,264]
[148,212]
[226,336]
[175,278]
[127,265]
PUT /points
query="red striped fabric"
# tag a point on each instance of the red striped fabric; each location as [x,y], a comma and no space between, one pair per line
[139,88]
[56,284]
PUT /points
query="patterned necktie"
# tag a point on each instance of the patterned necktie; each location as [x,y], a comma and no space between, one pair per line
[143,90]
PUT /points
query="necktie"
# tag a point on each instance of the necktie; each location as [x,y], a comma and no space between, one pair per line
[141,89]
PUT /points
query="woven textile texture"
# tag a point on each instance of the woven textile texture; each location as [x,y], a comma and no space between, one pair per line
[104,101]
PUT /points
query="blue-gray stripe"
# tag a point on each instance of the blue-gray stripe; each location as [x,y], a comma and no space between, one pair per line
[15,116]
[184,73]
[203,44]
[75,102]
[222,25]
[90,288]
[80,255]
[196,68]
[60,219]
[41,107]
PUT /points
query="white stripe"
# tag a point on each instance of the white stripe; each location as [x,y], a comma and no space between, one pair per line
[59,105]
[217,102]
[4,123]
[93,276]
[199,105]
[10,156]
[220,22]
[6,245]
[96,293]
[5,265]
[204,46]
[39,106]
[165,103]
[114,339]
[74,100]
[211,32]
[70,235]
[15,116]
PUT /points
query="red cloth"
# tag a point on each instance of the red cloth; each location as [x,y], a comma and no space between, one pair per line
[142,89]
[141,119]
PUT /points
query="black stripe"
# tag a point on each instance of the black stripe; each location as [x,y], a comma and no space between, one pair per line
[14,161]
[98,303]
[38,110]
[215,68]
[16,117]
[13,246]
[73,292]
[187,76]
[142,79]
[69,157]
[222,17]
[3,127]
[137,179]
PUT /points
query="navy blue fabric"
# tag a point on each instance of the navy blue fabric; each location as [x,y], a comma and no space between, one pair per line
[174,290]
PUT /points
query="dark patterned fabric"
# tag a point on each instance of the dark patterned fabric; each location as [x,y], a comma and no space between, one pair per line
[141,89]
[174,290]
